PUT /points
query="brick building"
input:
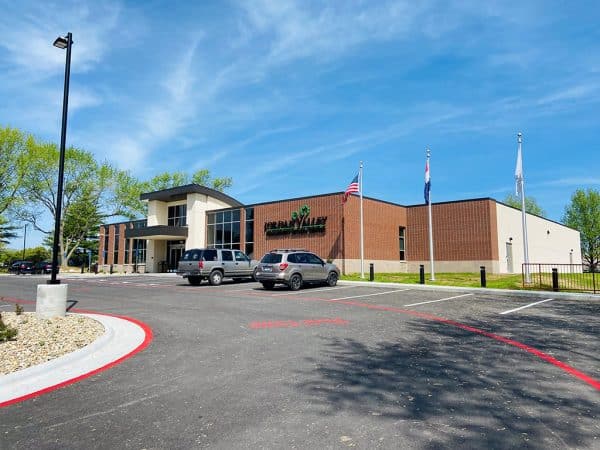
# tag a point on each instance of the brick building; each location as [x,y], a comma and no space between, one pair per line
[467,234]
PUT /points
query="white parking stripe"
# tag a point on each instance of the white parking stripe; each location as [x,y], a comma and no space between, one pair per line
[526,306]
[367,295]
[440,300]
[311,290]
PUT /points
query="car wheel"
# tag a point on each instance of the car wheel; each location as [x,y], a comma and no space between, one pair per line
[253,277]
[268,285]
[215,278]
[295,282]
[194,281]
[332,279]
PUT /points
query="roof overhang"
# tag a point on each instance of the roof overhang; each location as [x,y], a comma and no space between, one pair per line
[181,192]
[158,232]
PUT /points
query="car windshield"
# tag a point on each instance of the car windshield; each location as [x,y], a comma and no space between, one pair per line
[271,258]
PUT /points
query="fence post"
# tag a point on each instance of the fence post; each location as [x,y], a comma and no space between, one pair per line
[482,276]
[555,279]
[421,274]
[371,272]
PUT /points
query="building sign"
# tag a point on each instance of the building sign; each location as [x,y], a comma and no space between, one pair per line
[299,223]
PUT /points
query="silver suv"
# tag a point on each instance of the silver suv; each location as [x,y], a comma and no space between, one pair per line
[214,264]
[294,267]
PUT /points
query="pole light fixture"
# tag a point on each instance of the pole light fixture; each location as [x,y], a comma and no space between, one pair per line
[62,43]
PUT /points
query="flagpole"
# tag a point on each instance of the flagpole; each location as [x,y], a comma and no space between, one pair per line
[521,182]
[362,243]
[430,226]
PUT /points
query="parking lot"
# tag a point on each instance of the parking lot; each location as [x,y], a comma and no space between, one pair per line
[235,366]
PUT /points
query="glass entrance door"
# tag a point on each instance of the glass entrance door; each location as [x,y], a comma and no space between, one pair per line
[175,250]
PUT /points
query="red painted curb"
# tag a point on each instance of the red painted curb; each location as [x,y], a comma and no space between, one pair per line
[147,340]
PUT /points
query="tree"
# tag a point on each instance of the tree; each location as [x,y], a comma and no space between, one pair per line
[583,214]
[15,147]
[128,189]
[531,205]
[88,194]
[7,232]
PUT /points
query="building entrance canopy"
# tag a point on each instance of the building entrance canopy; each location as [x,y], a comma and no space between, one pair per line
[158,232]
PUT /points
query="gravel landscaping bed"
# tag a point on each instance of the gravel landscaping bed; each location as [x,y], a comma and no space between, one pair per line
[40,340]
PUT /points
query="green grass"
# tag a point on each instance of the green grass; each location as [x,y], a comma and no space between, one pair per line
[498,281]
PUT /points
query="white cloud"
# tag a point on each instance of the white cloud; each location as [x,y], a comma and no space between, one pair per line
[32,34]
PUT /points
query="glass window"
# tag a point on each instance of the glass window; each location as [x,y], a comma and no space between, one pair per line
[105,255]
[313,259]
[249,213]
[401,242]
[235,232]
[271,258]
[226,255]
[210,235]
[116,246]
[226,216]
[219,234]
[235,215]
[293,258]
[239,256]
[210,218]
[127,245]
[227,233]
[177,216]
[250,249]
[250,231]
[219,217]
[139,251]
[209,255]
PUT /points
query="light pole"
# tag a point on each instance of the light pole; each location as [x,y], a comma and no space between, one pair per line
[24,241]
[62,43]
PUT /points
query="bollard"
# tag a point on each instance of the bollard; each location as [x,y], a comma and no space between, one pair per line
[111,269]
[555,279]
[421,274]
[482,275]
[82,268]
[371,272]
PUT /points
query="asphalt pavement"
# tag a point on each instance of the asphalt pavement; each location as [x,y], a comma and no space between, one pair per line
[377,366]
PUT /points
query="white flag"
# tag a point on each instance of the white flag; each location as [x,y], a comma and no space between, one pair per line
[519,172]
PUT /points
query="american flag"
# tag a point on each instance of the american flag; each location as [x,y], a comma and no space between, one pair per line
[352,187]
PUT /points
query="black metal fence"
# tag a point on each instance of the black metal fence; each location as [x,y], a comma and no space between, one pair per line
[561,277]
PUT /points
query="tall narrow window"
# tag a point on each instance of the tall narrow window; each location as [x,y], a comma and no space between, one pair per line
[105,251]
[116,246]
[249,247]
[401,242]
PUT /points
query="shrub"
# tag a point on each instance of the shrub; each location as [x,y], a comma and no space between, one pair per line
[6,333]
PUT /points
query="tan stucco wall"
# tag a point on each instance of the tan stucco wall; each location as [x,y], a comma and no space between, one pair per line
[157,213]
[197,205]
[548,242]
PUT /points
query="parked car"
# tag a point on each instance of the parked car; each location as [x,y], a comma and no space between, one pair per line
[214,264]
[42,267]
[15,265]
[21,267]
[295,267]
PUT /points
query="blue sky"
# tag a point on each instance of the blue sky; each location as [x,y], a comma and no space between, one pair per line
[286,97]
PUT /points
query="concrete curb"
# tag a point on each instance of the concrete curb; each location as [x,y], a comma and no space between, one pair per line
[508,292]
[122,338]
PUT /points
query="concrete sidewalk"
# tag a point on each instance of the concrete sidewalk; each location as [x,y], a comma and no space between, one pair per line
[122,338]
